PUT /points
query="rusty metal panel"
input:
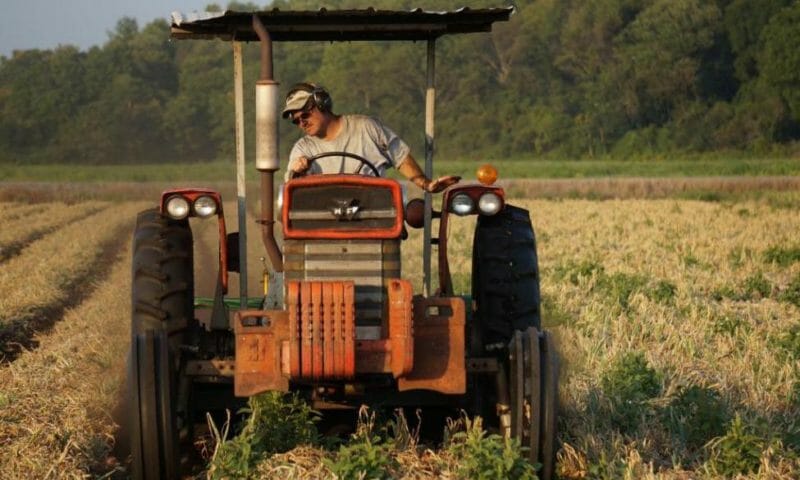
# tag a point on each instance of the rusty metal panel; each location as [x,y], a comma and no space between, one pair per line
[349,330]
[208,368]
[439,362]
[327,329]
[306,343]
[258,351]
[401,330]
[338,331]
[370,264]
[317,341]
[322,321]
[293,305]
[374,356]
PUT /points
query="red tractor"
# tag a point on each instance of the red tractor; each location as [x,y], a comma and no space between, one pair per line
[338,322]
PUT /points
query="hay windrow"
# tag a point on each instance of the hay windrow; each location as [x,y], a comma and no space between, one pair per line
[56,420]
[23,229]
[57,273]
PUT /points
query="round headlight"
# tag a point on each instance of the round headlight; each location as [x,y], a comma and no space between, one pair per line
[205,206]
[177,207]
[461,204]
[490,203]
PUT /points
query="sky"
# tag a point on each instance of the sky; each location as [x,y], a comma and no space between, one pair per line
[46,24]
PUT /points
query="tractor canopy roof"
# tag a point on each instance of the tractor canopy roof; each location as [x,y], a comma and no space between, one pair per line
[336,25]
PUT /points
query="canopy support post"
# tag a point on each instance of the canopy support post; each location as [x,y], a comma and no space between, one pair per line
[430,97]
[238,93]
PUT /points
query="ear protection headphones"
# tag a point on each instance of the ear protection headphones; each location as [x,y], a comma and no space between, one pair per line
[321,98]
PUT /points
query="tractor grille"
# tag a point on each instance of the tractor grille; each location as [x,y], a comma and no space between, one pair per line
[368,263]
[342,207]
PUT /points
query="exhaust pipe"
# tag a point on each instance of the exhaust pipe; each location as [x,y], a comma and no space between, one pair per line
[267,157]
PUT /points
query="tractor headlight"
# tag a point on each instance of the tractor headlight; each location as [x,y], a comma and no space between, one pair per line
[205,206]
[462,204]
[490,203]
[178,207]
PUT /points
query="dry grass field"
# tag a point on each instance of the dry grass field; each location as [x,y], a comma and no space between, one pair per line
[677,321]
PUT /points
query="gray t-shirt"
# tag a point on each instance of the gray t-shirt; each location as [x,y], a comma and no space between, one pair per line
[361,135]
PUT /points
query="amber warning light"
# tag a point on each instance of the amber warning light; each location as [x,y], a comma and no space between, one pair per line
[487,174]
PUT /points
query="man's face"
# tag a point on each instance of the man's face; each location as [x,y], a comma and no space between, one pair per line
[311,121]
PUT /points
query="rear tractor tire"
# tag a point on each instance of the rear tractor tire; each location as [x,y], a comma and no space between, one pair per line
[533,394]
[162,322]
[505,276]
[507,324]
[154,430]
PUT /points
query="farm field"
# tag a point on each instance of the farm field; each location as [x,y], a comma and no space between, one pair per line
[677,321]
[697,166]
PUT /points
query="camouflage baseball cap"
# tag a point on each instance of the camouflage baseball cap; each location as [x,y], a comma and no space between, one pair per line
[296,100]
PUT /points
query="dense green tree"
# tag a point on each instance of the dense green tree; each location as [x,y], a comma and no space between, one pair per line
[561,78]
[779,57]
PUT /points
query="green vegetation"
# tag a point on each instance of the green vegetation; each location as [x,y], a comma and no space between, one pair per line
[783,256]
[696,415]
[487,457]
[792,292]
[738,451]
[275,423]
[788,343]
[629,384]
[566,79]
[366,455]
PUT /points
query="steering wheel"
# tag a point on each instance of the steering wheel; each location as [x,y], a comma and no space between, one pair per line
[361,159]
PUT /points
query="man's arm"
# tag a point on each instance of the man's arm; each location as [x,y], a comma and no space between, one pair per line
[411,170]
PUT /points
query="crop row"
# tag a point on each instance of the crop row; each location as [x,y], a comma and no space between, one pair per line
[57,403]
[58,270]
[22,226]
[10,211]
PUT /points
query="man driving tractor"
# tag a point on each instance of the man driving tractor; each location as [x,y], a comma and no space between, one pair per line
[310,107]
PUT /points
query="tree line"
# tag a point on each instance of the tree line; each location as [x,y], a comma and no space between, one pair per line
[562,78]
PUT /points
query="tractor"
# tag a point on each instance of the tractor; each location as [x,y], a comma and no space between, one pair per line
[337,323]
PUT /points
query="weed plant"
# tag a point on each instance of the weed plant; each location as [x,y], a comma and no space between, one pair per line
[782,256]
[792,292]
[695,416]
[367,455]
[629,385]
[274,423]
[482,456]
[739,451]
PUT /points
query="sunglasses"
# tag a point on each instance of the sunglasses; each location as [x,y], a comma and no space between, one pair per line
[302,117]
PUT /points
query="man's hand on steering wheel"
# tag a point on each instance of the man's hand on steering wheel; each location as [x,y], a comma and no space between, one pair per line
[299,166]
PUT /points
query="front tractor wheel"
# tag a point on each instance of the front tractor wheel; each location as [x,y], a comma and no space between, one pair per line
[162,323]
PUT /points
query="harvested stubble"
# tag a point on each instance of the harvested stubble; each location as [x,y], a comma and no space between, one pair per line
[10,211]
[56,402]
[698,248]
[55,271]
[593,255]
[30,224]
